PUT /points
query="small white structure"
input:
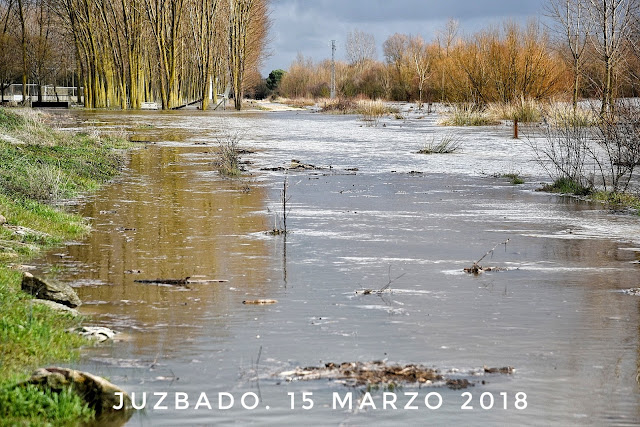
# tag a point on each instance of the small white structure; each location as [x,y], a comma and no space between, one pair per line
[149,106]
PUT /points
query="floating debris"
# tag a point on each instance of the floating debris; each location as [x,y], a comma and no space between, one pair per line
[476,268]
[260,301]
[381,373]
[178,282]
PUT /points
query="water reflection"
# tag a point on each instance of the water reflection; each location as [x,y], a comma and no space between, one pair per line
[171,217]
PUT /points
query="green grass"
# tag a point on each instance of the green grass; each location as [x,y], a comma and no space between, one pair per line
[32,406]
[514,178]
[618,200]
[567,186]
[612,200]
[52,165]
[39,166]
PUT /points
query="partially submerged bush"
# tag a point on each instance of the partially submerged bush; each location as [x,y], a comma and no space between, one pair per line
[448,143]
[567,186]
[228,163]
[339,106]
[466,115]
[525,111]
[372,111]
[514,178]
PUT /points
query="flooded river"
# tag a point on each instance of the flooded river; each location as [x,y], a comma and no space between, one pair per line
[556,314]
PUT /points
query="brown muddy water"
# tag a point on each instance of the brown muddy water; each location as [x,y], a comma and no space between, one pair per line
[556,315]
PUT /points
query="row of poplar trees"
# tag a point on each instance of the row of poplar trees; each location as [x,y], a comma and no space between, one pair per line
[127,52]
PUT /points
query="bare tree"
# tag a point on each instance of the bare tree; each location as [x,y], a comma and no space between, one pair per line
[418,51]
[395,48]
[7,57]
[446,37]
[360,47]
[612,21]
[618,140]
[573,30]
[22,11]
[248,25]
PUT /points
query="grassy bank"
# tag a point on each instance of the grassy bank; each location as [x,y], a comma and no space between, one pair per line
[38,167]
[612,200]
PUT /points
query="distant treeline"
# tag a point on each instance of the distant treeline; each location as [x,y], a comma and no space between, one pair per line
[588,51]
[125,52]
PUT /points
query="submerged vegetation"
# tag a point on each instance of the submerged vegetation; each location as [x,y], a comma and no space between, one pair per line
[38,167]
[228,163]
[514,178]
[599,160]
[447,144]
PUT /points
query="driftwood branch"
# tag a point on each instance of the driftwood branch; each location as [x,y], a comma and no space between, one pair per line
[180,282]
[476,268]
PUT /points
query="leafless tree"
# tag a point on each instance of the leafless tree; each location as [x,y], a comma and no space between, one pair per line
[421,60]
[572,29]
[612,21]
[618,143]
[360,47]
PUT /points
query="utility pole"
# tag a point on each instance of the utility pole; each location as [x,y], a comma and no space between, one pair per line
[333,69]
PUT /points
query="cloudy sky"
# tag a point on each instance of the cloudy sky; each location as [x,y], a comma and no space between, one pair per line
[308,26]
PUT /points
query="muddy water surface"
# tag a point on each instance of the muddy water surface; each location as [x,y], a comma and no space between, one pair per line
[555,315]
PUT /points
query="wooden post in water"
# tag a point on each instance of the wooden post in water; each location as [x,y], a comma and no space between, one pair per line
[515,129]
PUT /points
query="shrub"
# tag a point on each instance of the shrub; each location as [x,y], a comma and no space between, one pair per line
[339,106]
[466,115]
[228,163]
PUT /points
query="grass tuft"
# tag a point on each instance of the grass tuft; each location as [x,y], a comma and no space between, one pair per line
[447,144]
[514,178]
[567,186]
[525,111]
[466,115]
[372,111]
[564,116]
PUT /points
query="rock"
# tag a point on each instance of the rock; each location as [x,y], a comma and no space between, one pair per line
[3,220]
[56,292]
[99,393]
[97,333]
[57,307]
